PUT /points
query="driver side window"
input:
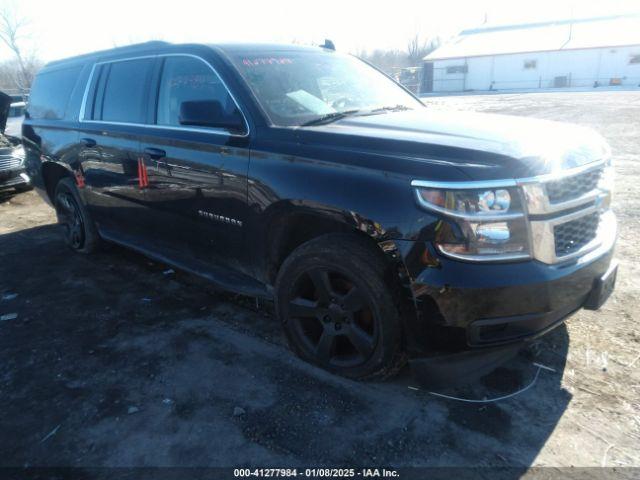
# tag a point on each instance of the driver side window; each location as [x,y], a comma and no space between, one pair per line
[187,79]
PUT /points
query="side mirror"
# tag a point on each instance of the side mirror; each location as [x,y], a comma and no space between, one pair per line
[209,113]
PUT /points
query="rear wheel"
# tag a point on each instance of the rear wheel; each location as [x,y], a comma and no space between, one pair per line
[336,309]
[79,231]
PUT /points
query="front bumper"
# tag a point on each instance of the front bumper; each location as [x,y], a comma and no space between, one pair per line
[463,306]
[14,178]
[471,318]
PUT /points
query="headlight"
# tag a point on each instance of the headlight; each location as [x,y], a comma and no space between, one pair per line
[18,152]
[469,203]
[482,225]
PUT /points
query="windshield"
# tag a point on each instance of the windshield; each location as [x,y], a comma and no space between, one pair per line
[297,88]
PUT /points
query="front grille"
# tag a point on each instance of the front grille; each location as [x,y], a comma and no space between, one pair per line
[573,187]
[573,235]
[8,162]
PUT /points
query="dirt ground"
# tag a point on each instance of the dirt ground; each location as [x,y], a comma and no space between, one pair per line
[112,363]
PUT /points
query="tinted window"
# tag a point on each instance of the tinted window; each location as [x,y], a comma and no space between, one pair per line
[125,91]
[51,92]
[187,79]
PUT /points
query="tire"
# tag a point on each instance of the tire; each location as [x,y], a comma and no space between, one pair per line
[79,230]
[336,309]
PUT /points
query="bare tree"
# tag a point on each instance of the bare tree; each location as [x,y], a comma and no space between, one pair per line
[12,32]
[393,61]
[417,48]
[389,61]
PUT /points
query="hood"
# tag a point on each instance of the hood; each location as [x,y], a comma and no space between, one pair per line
[485,146]
[5,103]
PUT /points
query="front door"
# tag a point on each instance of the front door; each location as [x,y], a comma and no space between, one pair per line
[197,176]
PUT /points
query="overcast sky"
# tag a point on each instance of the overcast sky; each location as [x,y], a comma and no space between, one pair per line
[61,28]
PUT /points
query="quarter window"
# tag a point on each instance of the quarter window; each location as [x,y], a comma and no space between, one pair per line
[51,93]
[125,91]
[187,79]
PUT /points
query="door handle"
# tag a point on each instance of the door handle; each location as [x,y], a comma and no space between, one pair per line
[155,153]
[88,142]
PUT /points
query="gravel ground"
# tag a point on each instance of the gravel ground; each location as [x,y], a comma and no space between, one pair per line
[112,363]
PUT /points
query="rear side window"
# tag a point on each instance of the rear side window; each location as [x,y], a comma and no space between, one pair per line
[123,97]
[187,79]
[51,92]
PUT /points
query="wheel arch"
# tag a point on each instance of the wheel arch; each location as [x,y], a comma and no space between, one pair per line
[288,230]
[52,173]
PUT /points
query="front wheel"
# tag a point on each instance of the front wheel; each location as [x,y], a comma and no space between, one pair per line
[336,309]
[79,231]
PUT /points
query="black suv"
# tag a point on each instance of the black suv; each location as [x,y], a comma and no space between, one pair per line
[382,230]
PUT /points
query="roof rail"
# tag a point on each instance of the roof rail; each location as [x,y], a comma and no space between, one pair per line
[126,48]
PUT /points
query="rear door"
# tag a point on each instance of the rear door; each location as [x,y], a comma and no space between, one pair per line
[197,176]
[112,121]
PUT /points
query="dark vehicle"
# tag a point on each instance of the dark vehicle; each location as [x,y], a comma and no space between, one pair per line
[383,230]
[12,171]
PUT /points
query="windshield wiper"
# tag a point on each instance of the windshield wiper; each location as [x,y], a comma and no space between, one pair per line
[329,118]
[389,108]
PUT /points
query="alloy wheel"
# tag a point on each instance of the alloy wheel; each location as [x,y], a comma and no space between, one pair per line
[332,318]
[70,218]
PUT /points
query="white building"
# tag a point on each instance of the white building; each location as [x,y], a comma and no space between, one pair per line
[562,54]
